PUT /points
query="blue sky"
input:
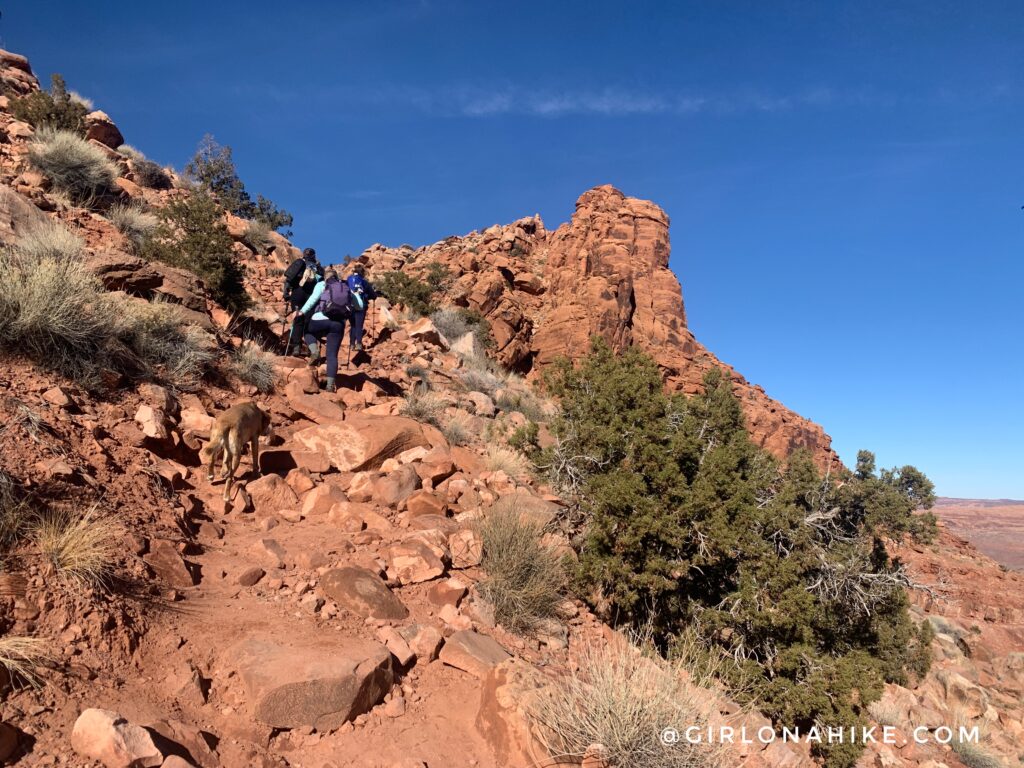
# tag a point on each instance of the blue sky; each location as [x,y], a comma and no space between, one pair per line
[844,179]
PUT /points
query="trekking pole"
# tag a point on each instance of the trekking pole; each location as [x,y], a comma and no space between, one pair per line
[373,318]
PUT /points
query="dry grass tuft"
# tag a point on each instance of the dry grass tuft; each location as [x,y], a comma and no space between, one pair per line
[525,579]
[16,513]
[512,463]
[425,407]
[82,548]
[459,429]
[254,365]
[134,223]
[72,164]
[623,697]
[257,237]
[22,657]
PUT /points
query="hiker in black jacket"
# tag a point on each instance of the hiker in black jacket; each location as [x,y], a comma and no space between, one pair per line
[299,280]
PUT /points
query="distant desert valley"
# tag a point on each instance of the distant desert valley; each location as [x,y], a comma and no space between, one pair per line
[994,526]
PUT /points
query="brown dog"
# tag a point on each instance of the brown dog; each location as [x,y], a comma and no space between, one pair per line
[238,425]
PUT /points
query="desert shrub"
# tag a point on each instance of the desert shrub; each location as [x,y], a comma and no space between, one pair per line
[512,463]
[420,376]
[524,402]
[213,169]
[150,174]
[456,322]
[525,579]
[81,100]
[72,164]
[423,407]
[192,235]
[480,380]
[886,712]
[402,288]
[134,223]
[254,365]
[974,755]
[23,656]
[82,548]
[458,430]
[57,108]
[623,697]
[691,524]
[525,439]
[132,153]
[55,312]
[257,236]
[165,344]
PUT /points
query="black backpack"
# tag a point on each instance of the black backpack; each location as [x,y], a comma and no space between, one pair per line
[301,272]
[334,301]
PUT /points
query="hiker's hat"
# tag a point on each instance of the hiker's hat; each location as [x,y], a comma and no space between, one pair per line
[309,253]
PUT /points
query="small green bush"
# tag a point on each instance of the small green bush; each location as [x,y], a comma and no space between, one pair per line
[57,109]
[525,579]
[134,223]
[72,164]
[192,235]
[402,288]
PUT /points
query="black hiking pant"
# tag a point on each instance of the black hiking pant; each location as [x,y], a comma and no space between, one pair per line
[333,330]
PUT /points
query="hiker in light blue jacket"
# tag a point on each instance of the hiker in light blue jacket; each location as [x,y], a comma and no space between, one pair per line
[329,304]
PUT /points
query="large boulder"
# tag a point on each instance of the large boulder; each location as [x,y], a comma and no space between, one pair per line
[506,695]
[102,735]
[99,127]
[17,216]
[319,684]
[363,593]
[473,653]
[363,442]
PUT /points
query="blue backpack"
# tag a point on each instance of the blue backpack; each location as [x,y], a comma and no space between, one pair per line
[357,292]
[334,301]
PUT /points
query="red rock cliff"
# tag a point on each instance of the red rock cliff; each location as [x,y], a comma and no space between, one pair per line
[604,273]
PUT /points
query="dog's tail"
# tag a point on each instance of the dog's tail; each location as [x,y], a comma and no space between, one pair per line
[214,446]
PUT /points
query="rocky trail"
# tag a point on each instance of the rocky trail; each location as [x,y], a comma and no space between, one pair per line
[330,615]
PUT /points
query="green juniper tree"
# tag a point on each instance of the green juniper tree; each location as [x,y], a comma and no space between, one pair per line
[691,526]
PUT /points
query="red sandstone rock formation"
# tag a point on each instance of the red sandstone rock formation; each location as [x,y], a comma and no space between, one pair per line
[603,273]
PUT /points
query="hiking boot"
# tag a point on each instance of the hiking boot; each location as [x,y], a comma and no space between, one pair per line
[358,346]
[314,353]
[330,385]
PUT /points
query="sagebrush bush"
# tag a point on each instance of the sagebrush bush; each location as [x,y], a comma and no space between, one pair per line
[81,547]
[166,345]
[254,365]
[450,322]
[57,108]
[72,164]
[480,379]
[689,523]
[192,235]
[136,224]
[54,311]
[525,579]
[622,697]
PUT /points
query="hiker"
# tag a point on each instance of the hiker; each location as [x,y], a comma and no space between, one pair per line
[361,293]
[327,309]
[300,279]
